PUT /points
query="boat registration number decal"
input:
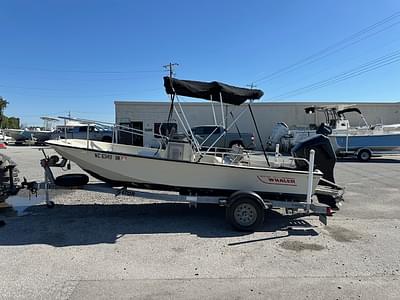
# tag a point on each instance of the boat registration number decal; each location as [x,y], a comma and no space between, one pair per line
[110,156]
[277,180]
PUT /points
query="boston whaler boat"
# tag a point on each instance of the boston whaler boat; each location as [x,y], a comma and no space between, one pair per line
[231,179]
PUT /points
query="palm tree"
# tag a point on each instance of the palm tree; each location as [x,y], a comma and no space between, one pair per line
[3,105]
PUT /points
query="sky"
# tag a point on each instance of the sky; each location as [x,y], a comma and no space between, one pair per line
[80,56]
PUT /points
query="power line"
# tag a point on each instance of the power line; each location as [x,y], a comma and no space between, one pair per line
[80,96]
[342,62]
[344,43]
[341,77]
[364,68]
[171,68]
[79,71]
[31,88]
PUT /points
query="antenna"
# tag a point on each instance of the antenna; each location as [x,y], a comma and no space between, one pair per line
[170,68]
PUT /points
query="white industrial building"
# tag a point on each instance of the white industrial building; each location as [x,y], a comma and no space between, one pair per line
[149,115]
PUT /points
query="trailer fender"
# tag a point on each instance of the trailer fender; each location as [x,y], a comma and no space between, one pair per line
[249,194]
[362,149]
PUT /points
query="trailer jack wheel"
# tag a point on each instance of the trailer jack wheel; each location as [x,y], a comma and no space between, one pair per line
[50,204]
[245,214]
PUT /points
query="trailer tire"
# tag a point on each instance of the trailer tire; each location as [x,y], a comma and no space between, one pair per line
[69,180]
[50,204]
[364,155]
[245,213]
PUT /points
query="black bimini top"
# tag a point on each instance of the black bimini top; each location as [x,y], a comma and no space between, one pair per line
[210,90]
[313,109]
[343,111]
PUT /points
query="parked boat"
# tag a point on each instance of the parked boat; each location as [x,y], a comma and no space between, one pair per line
[36,135]
[185,166]
[361,141]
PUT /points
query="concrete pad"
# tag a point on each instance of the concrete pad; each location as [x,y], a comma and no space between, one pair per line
[93,245]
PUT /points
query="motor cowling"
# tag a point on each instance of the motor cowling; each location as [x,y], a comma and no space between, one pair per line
[279,130]
[325,157]
[325,160]
[324,129]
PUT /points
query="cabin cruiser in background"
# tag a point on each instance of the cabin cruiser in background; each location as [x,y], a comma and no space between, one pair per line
[185,166]
[362,141]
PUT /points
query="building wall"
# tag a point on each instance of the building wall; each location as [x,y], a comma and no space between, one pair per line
[266,114]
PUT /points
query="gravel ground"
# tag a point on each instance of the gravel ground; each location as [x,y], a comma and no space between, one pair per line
[95,245]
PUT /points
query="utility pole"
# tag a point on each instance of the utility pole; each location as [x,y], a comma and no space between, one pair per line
[170,68]
[251,86]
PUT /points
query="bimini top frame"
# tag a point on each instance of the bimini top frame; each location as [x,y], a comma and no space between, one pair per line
[211,91]
[335,112]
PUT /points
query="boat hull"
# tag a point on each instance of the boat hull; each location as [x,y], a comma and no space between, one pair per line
[376,142]
[117,164]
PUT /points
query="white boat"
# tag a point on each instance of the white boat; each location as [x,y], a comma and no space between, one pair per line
[33,134]
[4,138]
[362,141]
[184,165]
[157,169]
[13,133]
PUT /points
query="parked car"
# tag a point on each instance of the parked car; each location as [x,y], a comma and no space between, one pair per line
[202,134]
[96,132]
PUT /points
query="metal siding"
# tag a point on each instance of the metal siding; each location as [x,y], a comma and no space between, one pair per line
[267,114]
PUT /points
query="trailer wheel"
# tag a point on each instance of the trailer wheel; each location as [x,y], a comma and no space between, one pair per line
[50,204]
[364,155]
[245,214]
[70,180]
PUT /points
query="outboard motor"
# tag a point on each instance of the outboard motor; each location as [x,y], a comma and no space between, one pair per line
[279,130]
[324,129]
[325,160]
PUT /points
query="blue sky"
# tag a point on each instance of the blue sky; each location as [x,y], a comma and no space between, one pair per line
[81,56]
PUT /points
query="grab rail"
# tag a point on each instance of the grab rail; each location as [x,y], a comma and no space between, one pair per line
[116,129]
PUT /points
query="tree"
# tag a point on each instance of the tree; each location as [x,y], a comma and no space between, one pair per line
[3,105]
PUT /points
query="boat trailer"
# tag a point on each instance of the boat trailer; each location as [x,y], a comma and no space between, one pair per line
[244,209]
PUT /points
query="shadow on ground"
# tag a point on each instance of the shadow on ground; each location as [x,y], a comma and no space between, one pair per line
[69,225]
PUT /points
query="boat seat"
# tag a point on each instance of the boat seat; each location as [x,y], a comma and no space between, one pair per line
[212,159]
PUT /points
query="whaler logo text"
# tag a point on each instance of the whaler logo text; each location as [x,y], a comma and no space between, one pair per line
[277,180]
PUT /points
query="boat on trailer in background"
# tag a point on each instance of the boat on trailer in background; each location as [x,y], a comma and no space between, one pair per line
[33,135]
[360,141]
[201,175]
